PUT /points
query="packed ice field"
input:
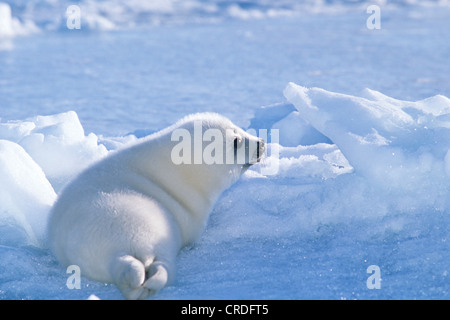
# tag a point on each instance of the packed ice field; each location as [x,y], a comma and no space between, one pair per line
[361,164]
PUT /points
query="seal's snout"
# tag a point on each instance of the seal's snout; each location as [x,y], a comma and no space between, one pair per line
[257,151]
[254,151]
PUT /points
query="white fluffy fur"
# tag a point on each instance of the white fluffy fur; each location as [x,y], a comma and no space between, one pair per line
[124,219]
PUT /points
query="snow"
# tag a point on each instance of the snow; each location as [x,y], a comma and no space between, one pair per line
[357,177]
[398,145]
[11,26]
[57,143]
[380,173]
[6,28]
[25,194]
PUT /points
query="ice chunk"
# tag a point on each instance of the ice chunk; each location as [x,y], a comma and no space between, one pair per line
[6,22]
[266,116]
[15,130]
[398,145]
[11,26]
[293,129]
[329,112]
[437,105]
[58,144]
[25,193]
[311,164]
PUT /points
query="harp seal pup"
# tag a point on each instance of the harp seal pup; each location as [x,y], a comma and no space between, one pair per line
[124,219]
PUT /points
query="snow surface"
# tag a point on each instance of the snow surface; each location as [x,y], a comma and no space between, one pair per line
[362,178]
[386,174]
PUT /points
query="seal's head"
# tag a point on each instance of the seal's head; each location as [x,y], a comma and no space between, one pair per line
[213,140]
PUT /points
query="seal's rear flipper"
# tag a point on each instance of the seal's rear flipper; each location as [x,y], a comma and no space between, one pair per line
[128,273]
[136,281]
[158,276]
